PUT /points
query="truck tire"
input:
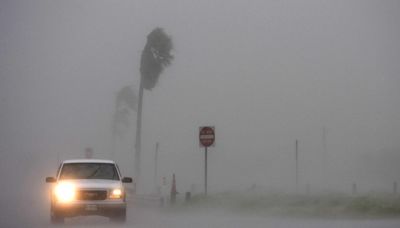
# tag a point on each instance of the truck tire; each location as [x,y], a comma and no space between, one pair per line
[119,216]
[55,217]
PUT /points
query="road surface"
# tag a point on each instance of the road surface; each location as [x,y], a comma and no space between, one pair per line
[33,214]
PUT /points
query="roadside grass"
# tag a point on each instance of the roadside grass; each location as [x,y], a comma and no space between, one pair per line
[324,205]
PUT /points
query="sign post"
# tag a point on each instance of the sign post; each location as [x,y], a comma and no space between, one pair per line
[205,171]
[206,139]
[88,152]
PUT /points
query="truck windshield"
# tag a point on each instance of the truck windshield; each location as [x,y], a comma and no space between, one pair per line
[89,171]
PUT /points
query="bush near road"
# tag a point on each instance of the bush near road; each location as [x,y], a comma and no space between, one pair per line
[324,205]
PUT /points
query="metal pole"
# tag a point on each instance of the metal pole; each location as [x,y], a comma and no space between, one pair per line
[354,189]
[324,159]
[297,165]
[156,166]
[205,171]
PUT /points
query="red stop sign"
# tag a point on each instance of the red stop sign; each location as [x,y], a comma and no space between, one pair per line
[207,136]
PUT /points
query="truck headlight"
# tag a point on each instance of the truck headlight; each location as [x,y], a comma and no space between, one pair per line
[65,192]
[116,194]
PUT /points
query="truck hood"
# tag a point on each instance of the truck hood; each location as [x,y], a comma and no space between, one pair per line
[94,183]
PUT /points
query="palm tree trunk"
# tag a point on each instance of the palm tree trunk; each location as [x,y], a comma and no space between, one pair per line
[138,131]
[114,142]
[114,134]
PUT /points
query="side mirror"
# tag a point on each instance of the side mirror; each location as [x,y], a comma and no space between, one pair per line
[50,180]
[127,180]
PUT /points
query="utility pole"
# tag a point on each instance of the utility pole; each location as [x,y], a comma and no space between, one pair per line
[156,166]
[297,165]
[324,157]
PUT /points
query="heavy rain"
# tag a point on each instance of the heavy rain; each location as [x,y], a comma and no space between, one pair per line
[302,98]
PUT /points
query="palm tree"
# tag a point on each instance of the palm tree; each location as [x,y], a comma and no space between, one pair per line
[125,102]
[156,55]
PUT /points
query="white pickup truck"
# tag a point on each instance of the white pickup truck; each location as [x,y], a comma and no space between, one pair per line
[88,187]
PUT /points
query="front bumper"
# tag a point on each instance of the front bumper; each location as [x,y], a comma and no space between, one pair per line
[103,208]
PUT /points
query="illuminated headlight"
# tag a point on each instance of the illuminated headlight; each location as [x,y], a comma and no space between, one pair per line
[116,194]
[65,192]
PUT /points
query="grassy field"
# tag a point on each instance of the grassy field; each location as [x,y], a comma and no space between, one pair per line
[325,205]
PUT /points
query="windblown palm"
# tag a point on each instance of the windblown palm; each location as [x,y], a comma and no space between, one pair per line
[125,102]
[156,55]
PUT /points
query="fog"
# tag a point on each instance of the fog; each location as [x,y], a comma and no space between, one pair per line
[264,73]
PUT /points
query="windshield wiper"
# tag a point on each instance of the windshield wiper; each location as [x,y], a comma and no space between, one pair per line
[94,173]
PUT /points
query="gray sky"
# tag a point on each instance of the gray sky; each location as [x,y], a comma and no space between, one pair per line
[263,72]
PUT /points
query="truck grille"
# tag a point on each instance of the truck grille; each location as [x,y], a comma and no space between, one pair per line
[91,195]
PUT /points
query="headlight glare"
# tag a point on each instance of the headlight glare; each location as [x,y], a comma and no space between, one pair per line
[65,192]
[116,193]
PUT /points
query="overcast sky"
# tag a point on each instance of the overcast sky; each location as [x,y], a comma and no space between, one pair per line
[264,73]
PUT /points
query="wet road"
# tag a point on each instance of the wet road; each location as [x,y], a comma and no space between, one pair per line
[154,217]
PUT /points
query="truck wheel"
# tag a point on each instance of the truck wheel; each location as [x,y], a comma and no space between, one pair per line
[55,217]
[119,216]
